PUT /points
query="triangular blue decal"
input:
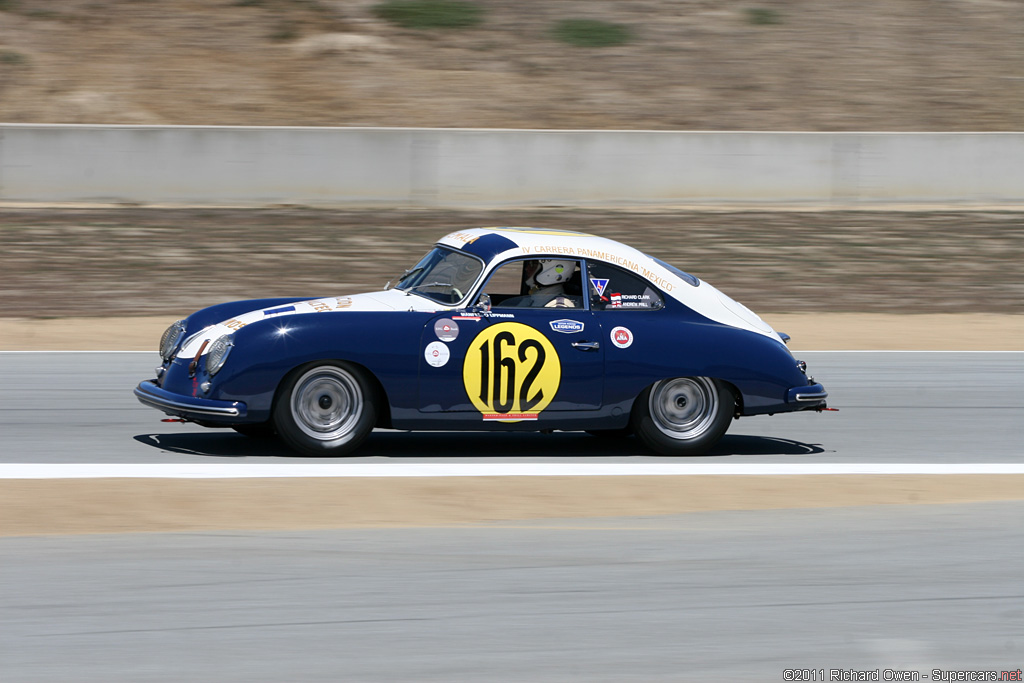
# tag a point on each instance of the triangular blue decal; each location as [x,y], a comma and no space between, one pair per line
[599,284]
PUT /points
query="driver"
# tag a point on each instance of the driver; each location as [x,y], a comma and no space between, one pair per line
[544,281]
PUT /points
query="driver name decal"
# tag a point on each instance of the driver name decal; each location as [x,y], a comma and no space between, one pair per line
[511,372]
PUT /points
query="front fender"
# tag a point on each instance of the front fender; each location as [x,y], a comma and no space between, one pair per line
[385,343]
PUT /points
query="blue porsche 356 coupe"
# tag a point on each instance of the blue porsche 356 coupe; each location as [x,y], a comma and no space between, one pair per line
[494,329]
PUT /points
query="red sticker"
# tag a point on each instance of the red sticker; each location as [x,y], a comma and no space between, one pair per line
[622,337]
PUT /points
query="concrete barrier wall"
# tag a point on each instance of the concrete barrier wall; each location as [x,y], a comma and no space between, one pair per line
[467,167]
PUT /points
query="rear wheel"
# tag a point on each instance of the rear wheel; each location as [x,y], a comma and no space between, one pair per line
[683,415]
[325,409]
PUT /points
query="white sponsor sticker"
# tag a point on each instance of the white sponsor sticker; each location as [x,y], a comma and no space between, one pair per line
[437,354]
[621,337]
[446,329]
[566,326]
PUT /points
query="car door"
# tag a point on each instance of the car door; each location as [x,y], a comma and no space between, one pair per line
[513,362]
[632,314]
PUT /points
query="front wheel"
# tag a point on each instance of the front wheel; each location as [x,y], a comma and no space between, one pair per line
[326,409]
[683,415]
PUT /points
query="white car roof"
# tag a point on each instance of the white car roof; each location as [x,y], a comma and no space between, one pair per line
[495,245]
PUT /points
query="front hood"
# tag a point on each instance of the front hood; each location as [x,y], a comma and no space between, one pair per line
[384,301]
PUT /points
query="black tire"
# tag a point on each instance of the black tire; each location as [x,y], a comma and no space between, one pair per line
[325,409]
[259,430]
[683,415]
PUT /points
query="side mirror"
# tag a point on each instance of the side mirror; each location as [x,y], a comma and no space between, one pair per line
[483,302]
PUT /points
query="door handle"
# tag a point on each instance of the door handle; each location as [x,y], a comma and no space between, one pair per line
[586,345]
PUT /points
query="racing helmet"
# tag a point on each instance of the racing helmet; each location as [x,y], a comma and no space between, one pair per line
[549,272]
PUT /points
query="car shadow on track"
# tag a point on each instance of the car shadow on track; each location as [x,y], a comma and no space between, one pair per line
[464,445]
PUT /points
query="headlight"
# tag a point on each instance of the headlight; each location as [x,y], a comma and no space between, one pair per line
[218,353]
[169,342]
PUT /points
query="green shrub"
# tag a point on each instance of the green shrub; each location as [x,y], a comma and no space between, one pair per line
[12,58]
[285,31]
[591,33]
[430,13]
[762,16]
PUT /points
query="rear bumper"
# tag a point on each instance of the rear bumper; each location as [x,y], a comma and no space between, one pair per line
[810,395]
[190,407]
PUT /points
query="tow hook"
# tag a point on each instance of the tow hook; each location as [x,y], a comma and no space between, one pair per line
[822,409]
[174,419]
[195,361]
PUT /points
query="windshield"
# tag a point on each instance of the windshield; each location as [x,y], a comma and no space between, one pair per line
[443,275]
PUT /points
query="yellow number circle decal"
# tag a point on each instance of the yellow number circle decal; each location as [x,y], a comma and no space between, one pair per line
[511,372]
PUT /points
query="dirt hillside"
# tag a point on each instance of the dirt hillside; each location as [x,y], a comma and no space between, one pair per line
[684,64]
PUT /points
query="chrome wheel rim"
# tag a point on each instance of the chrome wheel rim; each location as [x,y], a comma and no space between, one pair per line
[327,403]
[684,408]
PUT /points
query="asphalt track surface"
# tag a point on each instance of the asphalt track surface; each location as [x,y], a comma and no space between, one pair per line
[894,407]
[739,595]
[723,596]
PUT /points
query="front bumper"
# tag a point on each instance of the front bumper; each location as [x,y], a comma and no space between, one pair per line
[190,407]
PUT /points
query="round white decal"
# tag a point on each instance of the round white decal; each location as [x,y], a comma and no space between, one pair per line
[621,337]
[446,329]
[437,354]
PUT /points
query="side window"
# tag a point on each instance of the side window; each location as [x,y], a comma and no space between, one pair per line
[536,283]
[505,282]
[614,288]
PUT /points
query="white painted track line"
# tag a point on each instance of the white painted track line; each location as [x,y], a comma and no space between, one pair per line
[154,352]
[242,471]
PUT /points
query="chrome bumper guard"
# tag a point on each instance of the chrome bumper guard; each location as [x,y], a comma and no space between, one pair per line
[812,393]
[151,395]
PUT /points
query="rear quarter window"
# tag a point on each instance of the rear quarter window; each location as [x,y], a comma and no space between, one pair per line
[612,288]
[681,274]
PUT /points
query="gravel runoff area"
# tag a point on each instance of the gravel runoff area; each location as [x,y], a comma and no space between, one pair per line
[77,263]
[113,278]
[67,506]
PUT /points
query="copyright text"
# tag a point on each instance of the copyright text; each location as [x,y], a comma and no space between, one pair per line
[899,675]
